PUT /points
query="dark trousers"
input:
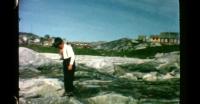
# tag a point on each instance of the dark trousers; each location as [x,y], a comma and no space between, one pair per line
[68,75]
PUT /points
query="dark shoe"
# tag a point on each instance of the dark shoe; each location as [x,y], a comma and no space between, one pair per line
[70,94]
[64,94]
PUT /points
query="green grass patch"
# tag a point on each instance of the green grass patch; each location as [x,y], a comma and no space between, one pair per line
[151,51]
[143,53]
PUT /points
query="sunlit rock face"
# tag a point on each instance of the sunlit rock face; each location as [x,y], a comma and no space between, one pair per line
[30,58]
[100,80]
[38,90]
[112,98]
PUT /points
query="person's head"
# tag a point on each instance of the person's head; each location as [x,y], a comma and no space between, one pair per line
[58,43]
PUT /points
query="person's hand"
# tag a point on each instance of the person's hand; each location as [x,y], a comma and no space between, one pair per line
[69,67]
[61,57]
[60,51]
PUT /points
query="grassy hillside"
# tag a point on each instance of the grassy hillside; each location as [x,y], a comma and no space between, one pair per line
[41,48]
[151,51]
[143,53]
[118,45]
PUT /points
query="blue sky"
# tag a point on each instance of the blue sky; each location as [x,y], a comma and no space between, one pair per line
[98,20]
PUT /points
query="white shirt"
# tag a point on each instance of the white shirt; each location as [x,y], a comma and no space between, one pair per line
[68,52]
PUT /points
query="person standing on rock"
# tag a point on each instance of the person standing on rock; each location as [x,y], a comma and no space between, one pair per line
[68,57]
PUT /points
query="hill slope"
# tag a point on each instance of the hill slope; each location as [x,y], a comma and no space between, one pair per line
[118,45]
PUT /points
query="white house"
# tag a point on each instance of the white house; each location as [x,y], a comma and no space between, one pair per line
[36,40]
[24,38]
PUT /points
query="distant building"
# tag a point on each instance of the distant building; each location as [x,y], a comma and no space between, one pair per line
[23,40]
[81,44]
[142,38]
[45,43]
[20,41]
[155,38]
[166,38]
[36,40]
[169,38]
[48,42]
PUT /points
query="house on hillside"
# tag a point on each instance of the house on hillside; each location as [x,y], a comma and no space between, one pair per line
[36,41]
[48,42]
[20,41]
[23,40]
[169,38]
[155,38]
[81,44]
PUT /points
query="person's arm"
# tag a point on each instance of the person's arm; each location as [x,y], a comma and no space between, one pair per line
[68,51]
[65,52]
[61,54]
[71,54]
